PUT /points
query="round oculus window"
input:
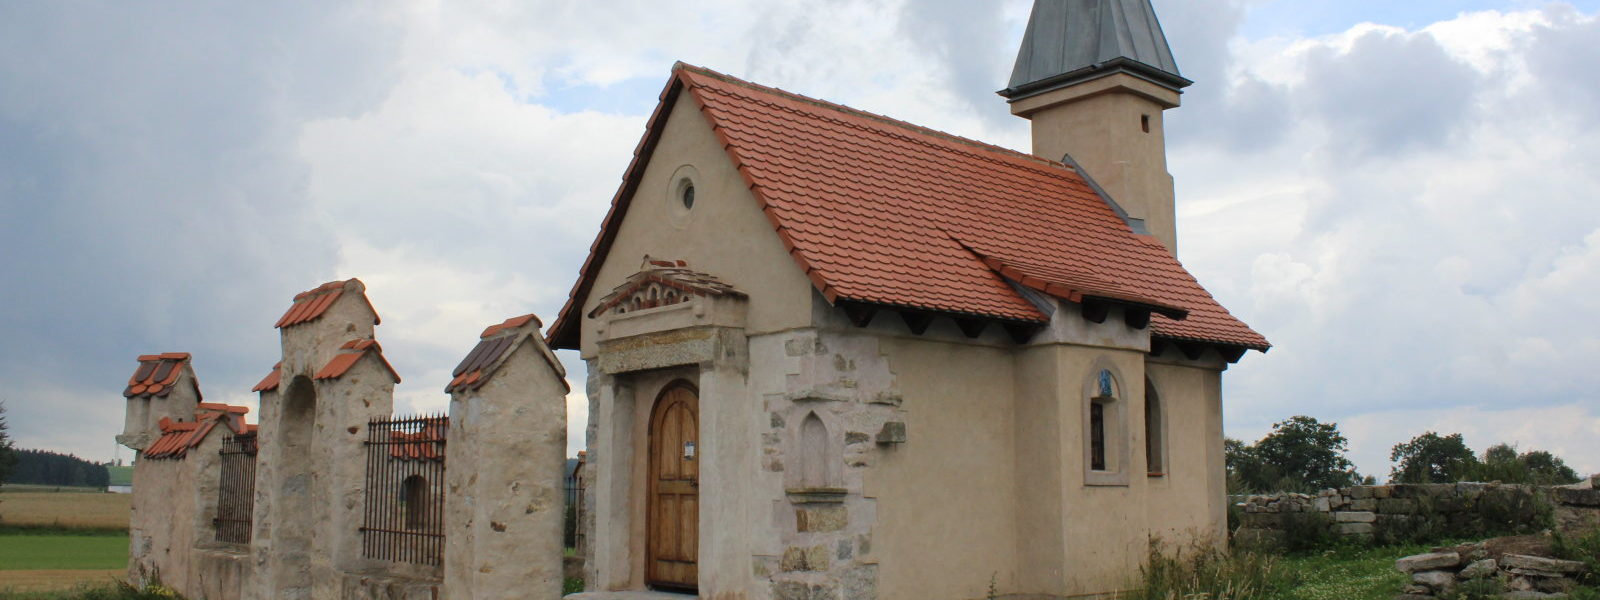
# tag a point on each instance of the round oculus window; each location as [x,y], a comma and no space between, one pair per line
[687,195]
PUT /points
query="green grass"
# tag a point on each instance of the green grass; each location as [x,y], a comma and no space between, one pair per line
[25,552]
[1349,573]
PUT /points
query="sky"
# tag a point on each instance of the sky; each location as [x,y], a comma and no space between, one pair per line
[1400,195]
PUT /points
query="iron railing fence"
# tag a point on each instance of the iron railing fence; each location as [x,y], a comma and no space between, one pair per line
[236,494]
[403,520]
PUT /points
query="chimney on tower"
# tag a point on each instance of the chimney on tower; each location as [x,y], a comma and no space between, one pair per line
[1094,76]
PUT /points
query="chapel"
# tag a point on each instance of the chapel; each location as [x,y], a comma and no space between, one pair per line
[836,355]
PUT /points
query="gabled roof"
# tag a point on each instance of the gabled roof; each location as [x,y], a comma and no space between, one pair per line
[177,437]
[1069,41]
[883,212]
[672,274]
[310,305]
[349,354]
[157,375]
[495,344]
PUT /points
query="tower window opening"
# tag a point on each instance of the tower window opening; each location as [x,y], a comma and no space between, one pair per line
[1144,123]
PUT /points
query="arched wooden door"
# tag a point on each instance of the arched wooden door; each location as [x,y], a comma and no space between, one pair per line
[674,528]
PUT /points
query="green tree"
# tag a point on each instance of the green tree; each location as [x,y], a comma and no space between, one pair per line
[7,455]
[1431,458]
[1301,454]
[1501,462]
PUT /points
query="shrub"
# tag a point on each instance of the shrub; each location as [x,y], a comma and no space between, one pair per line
[1308,532]
[571,585]
[1210,573]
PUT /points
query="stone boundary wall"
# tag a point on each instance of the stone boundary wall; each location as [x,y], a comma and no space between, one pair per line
[1415,511]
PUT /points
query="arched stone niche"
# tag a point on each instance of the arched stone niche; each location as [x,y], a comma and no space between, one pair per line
[816,471]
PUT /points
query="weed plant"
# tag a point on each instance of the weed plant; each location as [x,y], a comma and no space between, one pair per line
[117,591]
[1205,572]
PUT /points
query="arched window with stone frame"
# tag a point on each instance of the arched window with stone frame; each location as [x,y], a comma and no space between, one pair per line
[1155,431]
[1105,433]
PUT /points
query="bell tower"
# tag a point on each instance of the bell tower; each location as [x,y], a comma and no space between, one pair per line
[1094,77]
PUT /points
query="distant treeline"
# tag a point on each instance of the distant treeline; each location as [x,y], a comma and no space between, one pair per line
[41,467]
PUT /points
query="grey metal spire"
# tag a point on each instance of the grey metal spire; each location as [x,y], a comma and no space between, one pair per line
[1069,41]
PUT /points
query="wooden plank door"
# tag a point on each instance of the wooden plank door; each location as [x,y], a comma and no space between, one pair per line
[674,533]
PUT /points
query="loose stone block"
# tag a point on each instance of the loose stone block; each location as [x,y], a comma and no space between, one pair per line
[1442,581]
[1480,569]
[1320,504]
[1355,517]
[1364,504]
[1428,562]
[1537,563]
[1360,493]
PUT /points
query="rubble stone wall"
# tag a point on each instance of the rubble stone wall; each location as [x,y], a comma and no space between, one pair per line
[1415,511]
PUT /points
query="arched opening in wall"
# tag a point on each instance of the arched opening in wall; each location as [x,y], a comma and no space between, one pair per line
[815,459]
[292,533]
[414,502]
[1155,442]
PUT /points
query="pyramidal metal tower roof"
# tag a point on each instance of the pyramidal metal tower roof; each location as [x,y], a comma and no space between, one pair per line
[1070,41]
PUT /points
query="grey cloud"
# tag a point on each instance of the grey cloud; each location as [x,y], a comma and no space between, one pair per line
[968,43]
[154,199]
[1389,94]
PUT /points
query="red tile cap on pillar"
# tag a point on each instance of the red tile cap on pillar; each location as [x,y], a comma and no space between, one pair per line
[178,437]
[270,382]
[496,343]
[349,354]
[311,304]
[157,375]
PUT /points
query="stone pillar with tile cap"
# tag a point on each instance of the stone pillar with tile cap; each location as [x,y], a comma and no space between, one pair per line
[162,387]
[331,381]
[505,467]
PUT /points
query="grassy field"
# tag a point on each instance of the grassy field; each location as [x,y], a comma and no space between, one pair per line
[69,510]
[24,552]
[1348,574]
[51,541]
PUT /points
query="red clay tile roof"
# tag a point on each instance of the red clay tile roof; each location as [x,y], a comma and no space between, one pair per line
[349,354]
[270,382]
[309,305]
[672,274]
[881,211]
[425,444]
[496,343]
[157,375]
[177,437]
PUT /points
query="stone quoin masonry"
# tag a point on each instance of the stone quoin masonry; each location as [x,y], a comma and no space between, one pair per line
[831,355]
